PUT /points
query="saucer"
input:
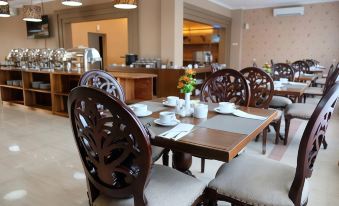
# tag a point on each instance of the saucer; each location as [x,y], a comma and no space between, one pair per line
[220,112]
[169,105]
[169,124]
[147,113]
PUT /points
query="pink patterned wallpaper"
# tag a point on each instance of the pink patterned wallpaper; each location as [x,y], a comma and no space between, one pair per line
[314,35]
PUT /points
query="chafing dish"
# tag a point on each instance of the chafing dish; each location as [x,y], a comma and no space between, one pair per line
[85,59]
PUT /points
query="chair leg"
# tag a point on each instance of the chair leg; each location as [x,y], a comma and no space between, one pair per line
[257,138]
[165,157]
[325,143]
[92,192]
[287,128]
[277,130]
[264,140]
[211,196]
[202,169]
[305,98]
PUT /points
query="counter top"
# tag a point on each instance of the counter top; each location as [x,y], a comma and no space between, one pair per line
[132,75]
[44,71]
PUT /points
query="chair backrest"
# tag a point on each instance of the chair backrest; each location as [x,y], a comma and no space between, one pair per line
[311,141]
[103,80]
[227,85]
[301,67]
[331,79]
[310,62]
[261,86]
[215,67]
[272,62]
[282,70]
[114,146]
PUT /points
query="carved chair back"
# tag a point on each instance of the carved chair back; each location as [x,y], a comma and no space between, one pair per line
[311,141]
[227,85]
[261,86]
[115,149]
[310,62]
[272,62]
[331,78]
[282,70]
[103,80]
[301,67]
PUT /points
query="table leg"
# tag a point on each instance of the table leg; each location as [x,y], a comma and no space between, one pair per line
[300,99]
[182,161]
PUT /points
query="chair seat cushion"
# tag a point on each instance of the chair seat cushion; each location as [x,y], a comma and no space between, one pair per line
[156,153]
[314,91]
[300,110]
[280,102]
[279,114]
[320,81]
[256,181]
[167,187]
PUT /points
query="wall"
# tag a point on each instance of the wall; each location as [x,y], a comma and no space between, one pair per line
[210,6]
[236,39]
[116,36]
[314,35]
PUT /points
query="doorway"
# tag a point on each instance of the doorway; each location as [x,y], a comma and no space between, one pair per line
[98,41]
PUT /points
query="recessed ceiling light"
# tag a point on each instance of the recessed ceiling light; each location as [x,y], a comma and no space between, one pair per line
[72,2]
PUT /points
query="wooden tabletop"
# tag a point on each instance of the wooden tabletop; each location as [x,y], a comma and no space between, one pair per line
[132,75]
[209,143]
[294,89]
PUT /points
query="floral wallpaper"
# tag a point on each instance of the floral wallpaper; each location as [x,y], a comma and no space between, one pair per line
[314,35]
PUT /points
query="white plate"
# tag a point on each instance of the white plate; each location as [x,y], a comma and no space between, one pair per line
[220,112]
[170,124]
[169,105]
[148,113]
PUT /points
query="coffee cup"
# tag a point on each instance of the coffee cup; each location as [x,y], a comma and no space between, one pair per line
[200,111]
[226,107]
[167,117]
[172,100]
[139,109]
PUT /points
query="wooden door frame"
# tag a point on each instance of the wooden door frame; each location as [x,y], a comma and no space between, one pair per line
[198,14]
[104,57]
[96,13]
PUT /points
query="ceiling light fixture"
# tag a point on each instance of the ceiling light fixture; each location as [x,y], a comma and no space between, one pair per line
[32,13]
[4,11]
[72,2]
[3,2]
[125,4]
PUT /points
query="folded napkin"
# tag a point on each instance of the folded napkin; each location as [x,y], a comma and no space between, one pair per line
[297,83]
[178,132]
[243,114]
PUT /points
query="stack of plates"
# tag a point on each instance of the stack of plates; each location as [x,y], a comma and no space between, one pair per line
[45,86]
[36,85]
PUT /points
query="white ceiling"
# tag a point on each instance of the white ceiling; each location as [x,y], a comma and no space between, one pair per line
[19,3]
[254,4]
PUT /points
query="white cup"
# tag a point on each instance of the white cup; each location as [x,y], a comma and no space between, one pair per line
[172,100]
[139,109]
[200,111]
[226,107]
[167,117]
[283,80]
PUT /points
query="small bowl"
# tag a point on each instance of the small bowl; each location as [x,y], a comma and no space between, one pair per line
[45,86]
[17,83]
[36,85]
[10,82]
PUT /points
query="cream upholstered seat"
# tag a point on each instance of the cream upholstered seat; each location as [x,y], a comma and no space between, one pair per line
[164,182]
[156,153]
[321,81]
[300,110]
[256,181]
[279,114]
[314,91]
[280,102]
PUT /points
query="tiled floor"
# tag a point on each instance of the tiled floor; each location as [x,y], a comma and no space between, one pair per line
[39,162]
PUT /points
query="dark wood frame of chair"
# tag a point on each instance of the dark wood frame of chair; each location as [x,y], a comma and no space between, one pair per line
[301,67]
[222,86]
[284,71]
[312,138]
[261,96]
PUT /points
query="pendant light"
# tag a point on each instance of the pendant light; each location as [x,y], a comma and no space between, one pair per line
[72,2]
[4,11]
[3,2]
[125,4]
[32,13]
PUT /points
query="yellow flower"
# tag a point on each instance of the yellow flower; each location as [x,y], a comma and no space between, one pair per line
[190,72]
[180,85]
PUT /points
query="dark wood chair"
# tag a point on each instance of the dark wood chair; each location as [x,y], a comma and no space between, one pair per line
[318,91]
[322,81]
[116,153]
[281,70]
[215,67]
[304,111]
[262,87]
[310,62]
[227,85]
[106,82]
[300,67]
[235,181]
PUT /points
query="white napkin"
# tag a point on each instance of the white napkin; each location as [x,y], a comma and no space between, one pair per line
[243,114]
[178,132]
[297,83]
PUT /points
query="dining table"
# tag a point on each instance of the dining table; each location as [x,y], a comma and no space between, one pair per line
[294,90]
[218,137]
